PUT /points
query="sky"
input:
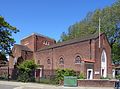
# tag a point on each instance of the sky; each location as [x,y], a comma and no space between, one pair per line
[47,17]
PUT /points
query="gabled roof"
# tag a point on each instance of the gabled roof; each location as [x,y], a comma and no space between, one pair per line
[22,47]
[73,41]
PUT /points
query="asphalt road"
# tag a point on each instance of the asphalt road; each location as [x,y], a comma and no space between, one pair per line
[6,86]
[20,85]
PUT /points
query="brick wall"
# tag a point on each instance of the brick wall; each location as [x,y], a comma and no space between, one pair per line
[98,51]
[35,42]
[68,52]
[29,42]
[96,83]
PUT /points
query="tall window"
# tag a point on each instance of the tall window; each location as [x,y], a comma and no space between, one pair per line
[103,57]
[104,64]
[61,61]
[77,60]
[48,61]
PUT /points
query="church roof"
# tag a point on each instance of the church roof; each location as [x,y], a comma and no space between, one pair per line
[22,47]
[72,41]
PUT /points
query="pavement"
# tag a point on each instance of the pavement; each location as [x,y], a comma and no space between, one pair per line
[20,85]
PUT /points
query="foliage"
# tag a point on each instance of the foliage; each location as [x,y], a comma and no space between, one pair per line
[81,76]
[26,71]
[104,78]
[60,73]
[3,57]
[110,25]
[118,76]
[6,40]
[4,76]
[47,81]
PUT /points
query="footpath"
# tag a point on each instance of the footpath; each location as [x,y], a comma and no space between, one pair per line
[20,85]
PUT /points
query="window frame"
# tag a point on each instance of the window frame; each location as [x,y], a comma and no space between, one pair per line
[61,61]
[76,59]
[48,61]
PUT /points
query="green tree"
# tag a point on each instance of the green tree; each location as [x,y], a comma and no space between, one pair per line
[6,40]
[3,58]
[26,71]
[110,25]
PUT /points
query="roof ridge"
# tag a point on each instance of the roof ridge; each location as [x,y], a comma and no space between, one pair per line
[79,39]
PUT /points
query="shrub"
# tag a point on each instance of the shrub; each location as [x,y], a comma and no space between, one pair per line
[104,78]
[26,71]
[81,76]
[117,76]
[60,73]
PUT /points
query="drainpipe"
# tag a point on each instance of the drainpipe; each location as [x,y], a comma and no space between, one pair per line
[90,49]
[8,71]
[52,61]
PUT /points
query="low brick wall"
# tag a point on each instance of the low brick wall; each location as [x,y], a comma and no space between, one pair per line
[96,83]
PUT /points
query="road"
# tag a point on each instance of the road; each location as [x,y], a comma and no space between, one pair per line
[20,85]
[2,86]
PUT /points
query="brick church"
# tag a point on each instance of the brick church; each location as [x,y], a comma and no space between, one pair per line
[80,54]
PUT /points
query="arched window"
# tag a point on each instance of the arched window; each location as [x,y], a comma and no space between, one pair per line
[48,61]
[77,60]
[61,61]
[104,64]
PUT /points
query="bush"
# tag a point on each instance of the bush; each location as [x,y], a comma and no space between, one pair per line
[117,76]
[104,78]
[4,77]
[60,73]
[26,71]
[81,76]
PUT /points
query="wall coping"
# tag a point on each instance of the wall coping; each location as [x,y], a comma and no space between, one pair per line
[97,79]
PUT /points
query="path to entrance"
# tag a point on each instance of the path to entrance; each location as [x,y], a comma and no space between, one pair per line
[19,85]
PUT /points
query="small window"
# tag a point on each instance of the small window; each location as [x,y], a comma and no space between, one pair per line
[46,43]
[78,60]
[48,61]
[38,61]
[61,61]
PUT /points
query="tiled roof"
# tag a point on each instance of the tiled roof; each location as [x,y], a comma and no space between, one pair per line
[73,41]
[22,47]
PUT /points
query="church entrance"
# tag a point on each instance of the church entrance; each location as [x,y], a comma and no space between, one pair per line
[89,73]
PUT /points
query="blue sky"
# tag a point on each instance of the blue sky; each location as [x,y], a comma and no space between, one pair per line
[47,17]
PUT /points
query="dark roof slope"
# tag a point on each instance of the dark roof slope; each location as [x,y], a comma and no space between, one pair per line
[22,47]
[73,41]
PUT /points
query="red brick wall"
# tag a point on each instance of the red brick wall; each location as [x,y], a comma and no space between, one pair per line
[40,42]
[27,55]
[98,51]
[35,42]
[96,83]
[16,52]
[29,42]
[87,50]
[68,52]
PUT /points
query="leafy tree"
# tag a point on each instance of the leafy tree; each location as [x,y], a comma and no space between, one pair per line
[110,25]
[3,59]
[6,40]
[26,71]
